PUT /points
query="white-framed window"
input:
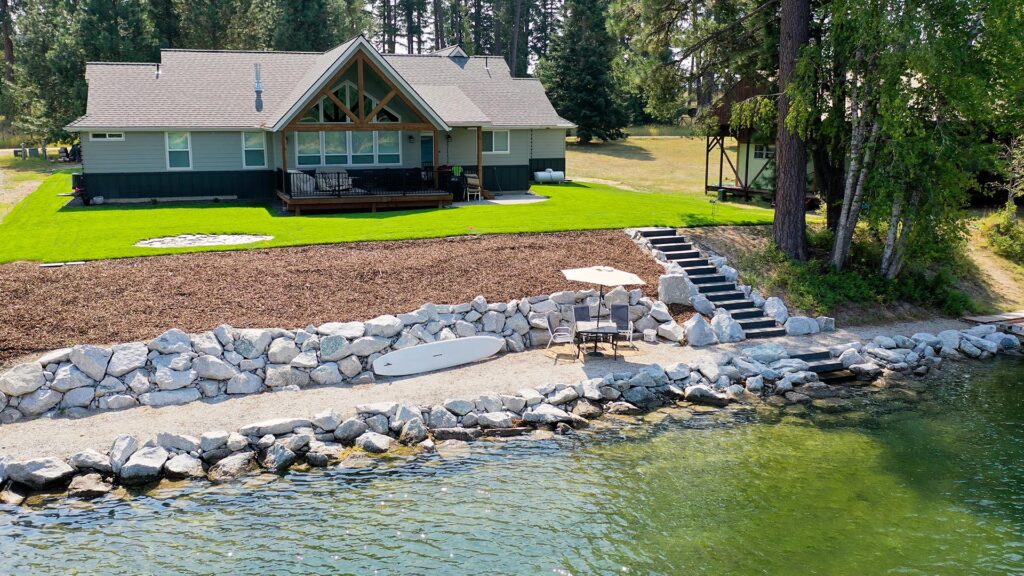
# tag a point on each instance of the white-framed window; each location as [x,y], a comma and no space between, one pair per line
[495,141]
[764,151]
[254,149]
[179,150]
[348,148]
[106,136]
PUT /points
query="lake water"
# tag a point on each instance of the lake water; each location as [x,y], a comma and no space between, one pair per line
[935,487]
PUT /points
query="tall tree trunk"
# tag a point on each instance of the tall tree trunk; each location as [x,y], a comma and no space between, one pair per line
[830,180]
[439,38]
[790,229]
[410,28]
[901,221]
[478,22]
[513,53]
[6,21]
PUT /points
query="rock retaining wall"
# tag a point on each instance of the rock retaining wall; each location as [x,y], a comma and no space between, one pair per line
[762,374]
[177,368]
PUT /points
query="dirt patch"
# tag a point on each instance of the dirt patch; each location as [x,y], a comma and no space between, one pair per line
[137,299]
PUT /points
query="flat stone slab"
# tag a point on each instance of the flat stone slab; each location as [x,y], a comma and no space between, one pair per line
[190,240]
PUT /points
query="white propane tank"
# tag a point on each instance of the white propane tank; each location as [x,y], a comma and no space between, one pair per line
[549,176]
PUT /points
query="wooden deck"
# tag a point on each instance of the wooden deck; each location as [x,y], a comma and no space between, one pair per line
[363,203]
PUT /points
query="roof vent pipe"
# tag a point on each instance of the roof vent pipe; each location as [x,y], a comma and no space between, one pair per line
[157,75]
[259,87]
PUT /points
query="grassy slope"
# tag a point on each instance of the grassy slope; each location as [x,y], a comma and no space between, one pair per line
[41,228]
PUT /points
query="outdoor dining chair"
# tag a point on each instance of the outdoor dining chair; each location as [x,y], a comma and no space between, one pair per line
[562,335]
[620,316]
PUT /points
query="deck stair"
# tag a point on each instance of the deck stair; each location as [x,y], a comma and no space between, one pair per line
[712,283]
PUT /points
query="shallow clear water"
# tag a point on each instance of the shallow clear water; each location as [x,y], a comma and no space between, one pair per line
[936,489]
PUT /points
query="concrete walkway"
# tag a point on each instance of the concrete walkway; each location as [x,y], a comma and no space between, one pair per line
[508,373]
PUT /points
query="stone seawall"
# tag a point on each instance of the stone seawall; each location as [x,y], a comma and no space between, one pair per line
[176,368]
[759,376]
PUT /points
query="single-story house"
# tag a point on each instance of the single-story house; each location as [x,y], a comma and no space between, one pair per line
[314,127]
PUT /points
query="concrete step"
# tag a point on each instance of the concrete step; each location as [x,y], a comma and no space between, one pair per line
[660,233]
[700,270]
[727,296]
[755,323]
[678,255]
[764,333]
[662,240]
[837,377]
[701,279]
[747,313]
[680,246]
[708,289]
[737,304]
[825,366]
[813,356]
[692,262]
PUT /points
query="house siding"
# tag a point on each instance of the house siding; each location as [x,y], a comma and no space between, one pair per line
[147,152]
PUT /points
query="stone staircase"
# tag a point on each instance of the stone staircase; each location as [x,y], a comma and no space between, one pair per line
[829,369]
[713,285]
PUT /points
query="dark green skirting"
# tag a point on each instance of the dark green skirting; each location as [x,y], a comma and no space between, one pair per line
[245,184]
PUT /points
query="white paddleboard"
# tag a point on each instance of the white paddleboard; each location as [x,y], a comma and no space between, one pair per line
[437,355]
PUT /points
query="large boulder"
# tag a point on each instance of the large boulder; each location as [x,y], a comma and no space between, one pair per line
[326,374]
[950,340]
[282,350]
[232,467]
[776,309]
[90,459]
[40,473]
[727,329]
[208,343]
[671,331]
[22,379]
[349,330]
[413,432]
[545,414]
[279,376]
[278,458]
[373,442]
[170,397]
[121,450]
[244,383]
[39,402]
[212,368]
[702,394]
[767,353]
[144,466]
[275,427]
[675,289]
[702,305]
[92,360]
[181,442]
[440,417]
[368,345]
[698,332]
[89,486]
[252,343]
[349,430]
[385,326]
[168,379]
[184,466]
[334,348]
[801,326]
[173,341]
[126,358]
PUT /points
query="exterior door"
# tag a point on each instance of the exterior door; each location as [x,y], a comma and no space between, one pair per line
[426,149]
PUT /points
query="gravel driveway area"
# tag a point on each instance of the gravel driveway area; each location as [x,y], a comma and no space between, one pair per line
[114,301]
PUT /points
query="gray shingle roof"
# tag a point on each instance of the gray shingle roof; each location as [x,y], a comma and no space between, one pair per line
[214,89]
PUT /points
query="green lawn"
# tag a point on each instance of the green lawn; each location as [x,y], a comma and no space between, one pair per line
[41,228]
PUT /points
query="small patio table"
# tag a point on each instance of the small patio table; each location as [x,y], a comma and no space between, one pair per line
[593,331]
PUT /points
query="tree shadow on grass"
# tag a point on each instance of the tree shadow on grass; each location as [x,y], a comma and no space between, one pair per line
[622,149]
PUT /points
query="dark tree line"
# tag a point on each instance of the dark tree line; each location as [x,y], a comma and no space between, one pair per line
[46,43]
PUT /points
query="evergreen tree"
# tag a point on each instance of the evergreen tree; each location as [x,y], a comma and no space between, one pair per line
[204,24]
[310,25]
[168,25]
[577,73]
[118,30]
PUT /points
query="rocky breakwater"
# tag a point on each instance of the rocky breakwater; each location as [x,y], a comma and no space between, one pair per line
[177,367]
[761,376]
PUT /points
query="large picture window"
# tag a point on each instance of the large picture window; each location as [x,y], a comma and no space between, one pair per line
[383,148]
[308,148]
[254,149]
[496,141]
[179,151]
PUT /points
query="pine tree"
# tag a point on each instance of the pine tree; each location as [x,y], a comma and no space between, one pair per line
[204,24]
[310,25]
[577,73]
[168,25]
[118,30]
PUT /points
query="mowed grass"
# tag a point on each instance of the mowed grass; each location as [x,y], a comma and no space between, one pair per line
[18,177]
[674,165]
[42,228]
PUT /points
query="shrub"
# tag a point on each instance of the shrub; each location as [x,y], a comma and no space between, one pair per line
[1006,235]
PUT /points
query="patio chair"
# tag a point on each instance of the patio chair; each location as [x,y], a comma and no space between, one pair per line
[473,189]
[620,316]
[562,335]
[333,180]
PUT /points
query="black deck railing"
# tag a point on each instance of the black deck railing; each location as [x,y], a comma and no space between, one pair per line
[352,183]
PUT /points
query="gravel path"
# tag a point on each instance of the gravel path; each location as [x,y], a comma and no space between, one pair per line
[139,298]
[507,373]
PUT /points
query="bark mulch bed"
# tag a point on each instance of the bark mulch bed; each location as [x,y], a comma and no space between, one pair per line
[137,299]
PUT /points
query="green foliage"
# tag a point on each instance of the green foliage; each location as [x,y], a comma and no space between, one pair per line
[577,73]
[1006,235]
[758,113]
[813,287]
[117,31]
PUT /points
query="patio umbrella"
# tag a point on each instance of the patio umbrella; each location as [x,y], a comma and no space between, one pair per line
[602,276]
